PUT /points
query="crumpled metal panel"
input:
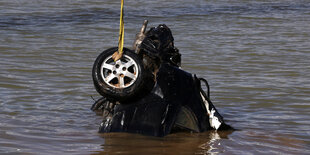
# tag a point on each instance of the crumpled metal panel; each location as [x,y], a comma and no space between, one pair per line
[156,113]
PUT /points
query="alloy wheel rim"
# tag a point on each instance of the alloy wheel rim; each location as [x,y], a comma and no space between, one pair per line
[120,74]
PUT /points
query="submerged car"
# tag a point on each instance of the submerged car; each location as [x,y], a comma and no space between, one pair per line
[147,92]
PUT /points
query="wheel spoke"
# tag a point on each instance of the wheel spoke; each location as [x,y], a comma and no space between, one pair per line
[130,75]
[121,82]
[107,66]
[109,78]
[128,64]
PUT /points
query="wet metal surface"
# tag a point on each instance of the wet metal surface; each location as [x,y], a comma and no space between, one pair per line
[255,56]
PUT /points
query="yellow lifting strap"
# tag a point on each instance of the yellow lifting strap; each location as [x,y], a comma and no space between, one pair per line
[118,54]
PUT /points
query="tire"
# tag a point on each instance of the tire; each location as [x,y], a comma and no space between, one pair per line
[123,80]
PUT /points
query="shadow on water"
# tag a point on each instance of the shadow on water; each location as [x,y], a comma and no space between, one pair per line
[185,143]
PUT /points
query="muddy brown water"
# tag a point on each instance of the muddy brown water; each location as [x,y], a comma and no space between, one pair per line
[255,55]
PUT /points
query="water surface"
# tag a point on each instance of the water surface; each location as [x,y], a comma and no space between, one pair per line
[254,54]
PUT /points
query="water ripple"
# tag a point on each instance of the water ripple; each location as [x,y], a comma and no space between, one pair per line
[255,56]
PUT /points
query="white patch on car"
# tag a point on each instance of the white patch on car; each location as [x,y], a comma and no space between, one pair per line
[213,120]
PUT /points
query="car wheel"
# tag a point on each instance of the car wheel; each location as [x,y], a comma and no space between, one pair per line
[123,80]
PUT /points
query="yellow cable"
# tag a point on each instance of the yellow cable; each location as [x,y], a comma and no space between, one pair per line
[118,55]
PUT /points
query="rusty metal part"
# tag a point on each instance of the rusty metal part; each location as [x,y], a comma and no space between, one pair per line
[139,37]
